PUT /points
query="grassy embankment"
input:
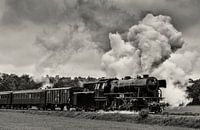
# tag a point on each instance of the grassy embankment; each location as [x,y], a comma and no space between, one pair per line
[189,121]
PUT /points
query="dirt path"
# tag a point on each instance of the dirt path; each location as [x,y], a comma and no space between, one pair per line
[24,121]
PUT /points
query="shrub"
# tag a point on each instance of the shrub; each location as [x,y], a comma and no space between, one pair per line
[143,113]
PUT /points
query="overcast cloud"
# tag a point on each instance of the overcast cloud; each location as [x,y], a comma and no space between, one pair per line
[69,37]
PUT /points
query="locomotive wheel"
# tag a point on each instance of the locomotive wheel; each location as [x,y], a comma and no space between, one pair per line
[53,108]
[156,108]
[68,107]
[44,107]
[62,107]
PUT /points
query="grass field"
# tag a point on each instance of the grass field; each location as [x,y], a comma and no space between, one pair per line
[185,121]
[12,120]
[188,110]
[172,118]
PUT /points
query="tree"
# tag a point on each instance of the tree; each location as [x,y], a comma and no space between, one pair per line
[14,82]
[194,91]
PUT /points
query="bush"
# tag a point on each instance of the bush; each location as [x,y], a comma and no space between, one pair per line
[143,114]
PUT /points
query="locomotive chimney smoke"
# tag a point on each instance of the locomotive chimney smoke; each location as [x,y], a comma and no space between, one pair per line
[62,43]
[176,70]
[79,35]
[149,48]
[147,45]
[65,45]
[45,82]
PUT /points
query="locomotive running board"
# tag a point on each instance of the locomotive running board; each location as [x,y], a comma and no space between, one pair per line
[140,97]
[118,93]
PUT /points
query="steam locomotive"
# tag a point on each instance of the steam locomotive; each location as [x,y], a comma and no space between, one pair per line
[124,94]
[107,94]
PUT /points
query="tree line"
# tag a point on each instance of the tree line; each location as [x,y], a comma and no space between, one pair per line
[12,82]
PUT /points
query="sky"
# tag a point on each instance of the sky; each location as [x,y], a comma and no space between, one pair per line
[69,37]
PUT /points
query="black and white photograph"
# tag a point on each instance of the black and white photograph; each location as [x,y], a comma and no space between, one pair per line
[99,64]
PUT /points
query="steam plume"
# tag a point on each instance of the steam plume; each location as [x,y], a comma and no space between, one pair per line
[177,70]
[148,44]
[46,84]
[83,32]
[64,42]
[149,48]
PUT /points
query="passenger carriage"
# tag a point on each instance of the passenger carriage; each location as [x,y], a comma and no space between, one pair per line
[5,99]
[28,98]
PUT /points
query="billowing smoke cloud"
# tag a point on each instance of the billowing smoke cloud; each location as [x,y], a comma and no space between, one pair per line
[64,42]
[99,18]
[46,84]
[149,48]
[83,32]
[148,44]
[177,70]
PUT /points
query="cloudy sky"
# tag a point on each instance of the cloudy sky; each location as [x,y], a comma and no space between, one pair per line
[69,37]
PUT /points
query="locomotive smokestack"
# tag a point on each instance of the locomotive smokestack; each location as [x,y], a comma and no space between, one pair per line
[145,76]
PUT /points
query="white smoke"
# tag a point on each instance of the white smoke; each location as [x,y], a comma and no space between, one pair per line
[46,84]
[76,29]
[148,44]
[149,48]
[123,59]
[177,70]
[118,112]
[63,43]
